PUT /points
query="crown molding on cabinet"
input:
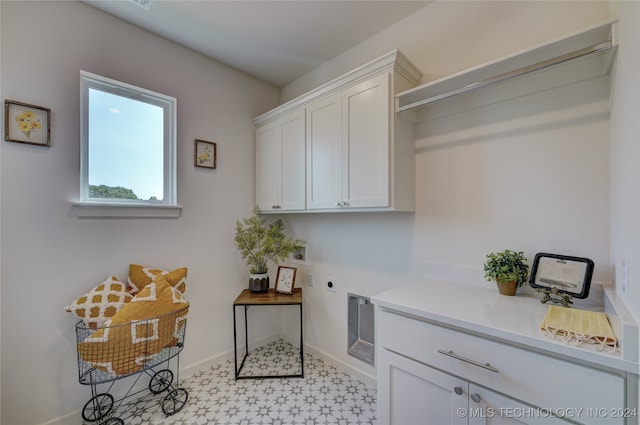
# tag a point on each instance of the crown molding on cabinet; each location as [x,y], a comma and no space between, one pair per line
[393,60]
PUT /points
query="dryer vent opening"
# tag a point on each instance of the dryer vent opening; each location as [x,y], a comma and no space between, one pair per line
[361,328]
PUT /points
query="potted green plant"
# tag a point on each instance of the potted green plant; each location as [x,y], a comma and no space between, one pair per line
[509,269]
[259,244]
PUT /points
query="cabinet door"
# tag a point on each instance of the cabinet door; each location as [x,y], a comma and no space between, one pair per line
[487,407]
[268,166]
[292,137]
[411,393]
[280,163]
[323,153]
[366,143]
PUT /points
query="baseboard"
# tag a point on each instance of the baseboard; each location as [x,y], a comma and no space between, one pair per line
[192,369]
[71,418]
[203,365]
[368,379]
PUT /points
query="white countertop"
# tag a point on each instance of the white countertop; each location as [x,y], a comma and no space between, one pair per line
[482,310]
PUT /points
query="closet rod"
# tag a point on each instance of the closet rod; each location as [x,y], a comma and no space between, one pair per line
[596,48]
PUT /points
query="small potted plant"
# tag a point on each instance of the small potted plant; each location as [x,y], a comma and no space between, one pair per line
[259,244]
[509,269]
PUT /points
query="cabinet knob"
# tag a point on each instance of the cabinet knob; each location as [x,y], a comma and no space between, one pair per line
[458,390]
[476,397]
[337,203]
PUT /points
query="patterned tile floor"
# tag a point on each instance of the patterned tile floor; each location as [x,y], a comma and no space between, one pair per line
[324,396]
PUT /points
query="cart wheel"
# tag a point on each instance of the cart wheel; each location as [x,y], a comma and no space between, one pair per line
[174,401]
[160,381]
[97,407]
[113,421]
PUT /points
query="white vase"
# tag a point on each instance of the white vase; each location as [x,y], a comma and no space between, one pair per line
[259,282]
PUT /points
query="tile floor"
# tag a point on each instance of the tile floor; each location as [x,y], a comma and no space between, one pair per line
[324,396]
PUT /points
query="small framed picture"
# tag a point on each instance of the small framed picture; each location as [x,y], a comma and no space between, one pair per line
[204,154]
[286,279]
[565,274]
[24,123]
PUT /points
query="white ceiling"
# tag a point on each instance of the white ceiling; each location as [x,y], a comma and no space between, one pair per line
[276,41]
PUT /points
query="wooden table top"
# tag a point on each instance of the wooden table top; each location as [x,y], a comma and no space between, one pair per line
[270,297]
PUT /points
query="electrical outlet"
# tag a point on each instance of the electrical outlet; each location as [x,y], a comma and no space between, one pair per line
[310,281]
[330,284]
[625,276]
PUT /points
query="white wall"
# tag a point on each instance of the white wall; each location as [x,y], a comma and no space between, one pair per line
[49,256]
[449,36]
[625,155]
[530,174]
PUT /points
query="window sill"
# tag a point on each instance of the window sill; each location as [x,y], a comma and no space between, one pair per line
[96,210]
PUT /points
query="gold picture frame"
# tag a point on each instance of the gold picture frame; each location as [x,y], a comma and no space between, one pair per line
[26,123]
[204,154]
[286,279]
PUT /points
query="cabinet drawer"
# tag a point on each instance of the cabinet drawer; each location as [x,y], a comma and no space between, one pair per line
[533,378]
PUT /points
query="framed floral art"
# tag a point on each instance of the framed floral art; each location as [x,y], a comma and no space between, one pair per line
[25,123]
[286,279]
[204,154]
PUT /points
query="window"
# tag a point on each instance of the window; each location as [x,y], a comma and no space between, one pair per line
[128,146]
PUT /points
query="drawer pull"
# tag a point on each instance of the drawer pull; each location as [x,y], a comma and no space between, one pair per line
[458,390]
[464,359]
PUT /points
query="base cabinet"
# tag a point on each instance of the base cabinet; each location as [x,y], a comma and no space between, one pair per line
[433,374]
[412,393]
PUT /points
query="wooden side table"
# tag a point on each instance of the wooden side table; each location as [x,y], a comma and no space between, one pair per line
[271,298]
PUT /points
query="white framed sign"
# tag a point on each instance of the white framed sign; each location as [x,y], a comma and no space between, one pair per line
[286,279]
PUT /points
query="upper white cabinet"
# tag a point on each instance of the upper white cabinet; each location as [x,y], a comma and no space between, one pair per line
[324,149]
[348,141]
[358,152]
[280,159]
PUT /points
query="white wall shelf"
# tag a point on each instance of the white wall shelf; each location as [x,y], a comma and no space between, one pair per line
[596,41]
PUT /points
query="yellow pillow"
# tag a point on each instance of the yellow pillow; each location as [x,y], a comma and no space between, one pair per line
[140,330]
[101,303]
[141,276]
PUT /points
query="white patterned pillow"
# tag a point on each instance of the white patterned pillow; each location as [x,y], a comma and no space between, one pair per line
[101,303]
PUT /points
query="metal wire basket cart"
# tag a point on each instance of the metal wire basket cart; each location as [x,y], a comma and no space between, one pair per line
[142,348]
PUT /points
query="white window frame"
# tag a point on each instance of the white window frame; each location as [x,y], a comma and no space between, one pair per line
[92,207]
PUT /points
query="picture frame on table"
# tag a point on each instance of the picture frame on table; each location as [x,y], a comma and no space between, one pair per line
[26,123]
[204,154]
[286,279]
